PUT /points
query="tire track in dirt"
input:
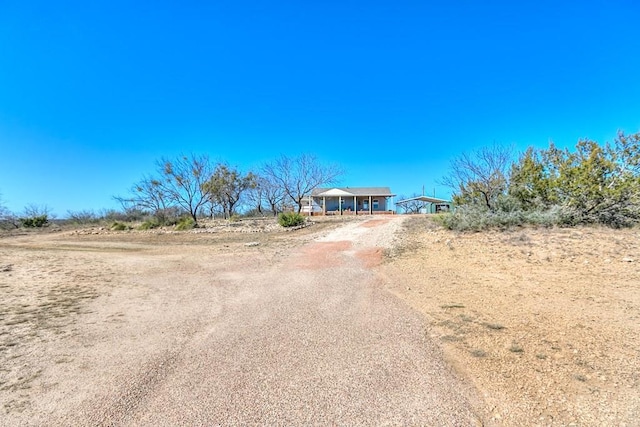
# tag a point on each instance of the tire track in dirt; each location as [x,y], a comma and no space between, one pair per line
[315,341]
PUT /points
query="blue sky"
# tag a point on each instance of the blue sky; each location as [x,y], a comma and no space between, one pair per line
[93,93]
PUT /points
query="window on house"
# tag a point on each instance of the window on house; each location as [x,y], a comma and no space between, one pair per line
[375,204]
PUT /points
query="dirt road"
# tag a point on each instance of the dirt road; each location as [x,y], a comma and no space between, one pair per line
[168,331]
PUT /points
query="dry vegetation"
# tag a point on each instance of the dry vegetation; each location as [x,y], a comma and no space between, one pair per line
[545,322]
[42,296]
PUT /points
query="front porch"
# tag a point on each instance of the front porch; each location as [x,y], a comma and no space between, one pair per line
[350,201]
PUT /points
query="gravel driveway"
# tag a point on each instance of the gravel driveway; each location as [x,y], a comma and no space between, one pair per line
[310,339]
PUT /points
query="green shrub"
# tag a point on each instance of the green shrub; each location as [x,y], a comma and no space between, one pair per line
[120,226]
[34,221]
[149,224]
[186,223]
[168,216]
[290,219]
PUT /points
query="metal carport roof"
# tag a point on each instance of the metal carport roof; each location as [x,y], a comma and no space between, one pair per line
[423,199]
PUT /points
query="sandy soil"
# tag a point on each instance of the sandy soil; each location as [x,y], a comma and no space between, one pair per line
[238,325]
[105,328]
[545,322]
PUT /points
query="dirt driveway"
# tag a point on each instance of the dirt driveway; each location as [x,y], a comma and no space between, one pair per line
[212,328]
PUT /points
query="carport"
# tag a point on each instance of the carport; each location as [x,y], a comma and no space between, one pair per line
[424,205]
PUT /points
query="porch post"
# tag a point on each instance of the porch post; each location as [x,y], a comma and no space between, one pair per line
[370,206]
[340,204]
[355,205]
[324,205]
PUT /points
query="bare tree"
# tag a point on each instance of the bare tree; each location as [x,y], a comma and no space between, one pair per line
[227,186]
[3,209]
[8,220]
[255,197]
[147,195]
[480,177]
[82,217]
[267,191]
[33,210]
[179,184]
[183,182]
[298,176]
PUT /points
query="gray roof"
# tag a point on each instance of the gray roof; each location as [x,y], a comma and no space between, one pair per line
[356,191]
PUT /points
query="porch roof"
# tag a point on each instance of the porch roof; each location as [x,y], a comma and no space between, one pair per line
[352,191]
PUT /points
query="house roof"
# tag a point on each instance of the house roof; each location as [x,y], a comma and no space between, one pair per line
[422,199]
[352,191]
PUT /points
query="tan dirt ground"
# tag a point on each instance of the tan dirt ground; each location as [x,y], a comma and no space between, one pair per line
[67,295]
[241,324]
[544,323]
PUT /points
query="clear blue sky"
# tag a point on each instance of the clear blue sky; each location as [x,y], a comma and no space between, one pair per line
[93,93]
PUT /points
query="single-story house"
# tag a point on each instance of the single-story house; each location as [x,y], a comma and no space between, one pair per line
[349,201]
[424,204]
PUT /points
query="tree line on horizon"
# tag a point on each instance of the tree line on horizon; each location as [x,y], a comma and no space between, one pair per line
[194,187]
[492,187]
[199,188]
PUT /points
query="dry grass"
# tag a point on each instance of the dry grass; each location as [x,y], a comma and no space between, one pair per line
[545,322]
[35,309]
